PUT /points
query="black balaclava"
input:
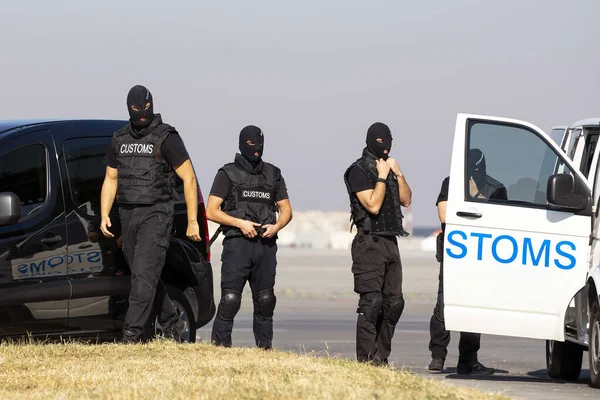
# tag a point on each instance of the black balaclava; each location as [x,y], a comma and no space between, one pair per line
[254,134]
[139,96]
[476,166]
[379,131]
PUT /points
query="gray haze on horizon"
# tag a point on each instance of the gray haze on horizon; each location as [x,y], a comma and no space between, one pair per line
[313,75]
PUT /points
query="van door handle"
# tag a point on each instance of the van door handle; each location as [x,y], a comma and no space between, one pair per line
[51,239]
[468,214]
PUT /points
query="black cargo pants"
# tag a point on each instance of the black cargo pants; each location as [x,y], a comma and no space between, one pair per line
[243,260]
[377,270]
[146,236]
[469,343]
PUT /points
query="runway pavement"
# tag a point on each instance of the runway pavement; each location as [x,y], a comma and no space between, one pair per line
[316,312]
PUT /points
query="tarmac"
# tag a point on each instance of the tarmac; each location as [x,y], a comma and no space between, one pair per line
[316,313]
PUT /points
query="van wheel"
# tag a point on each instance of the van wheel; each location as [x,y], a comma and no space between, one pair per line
[186,315]
[563,360]
[594,350]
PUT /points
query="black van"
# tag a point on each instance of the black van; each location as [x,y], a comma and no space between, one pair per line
[59,276]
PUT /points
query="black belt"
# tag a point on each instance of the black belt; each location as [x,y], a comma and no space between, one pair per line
[132,206]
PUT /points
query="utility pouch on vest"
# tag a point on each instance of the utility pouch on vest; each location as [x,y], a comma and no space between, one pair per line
[439,248]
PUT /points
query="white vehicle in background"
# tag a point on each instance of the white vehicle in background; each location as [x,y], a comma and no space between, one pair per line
[580,142]
[528,266]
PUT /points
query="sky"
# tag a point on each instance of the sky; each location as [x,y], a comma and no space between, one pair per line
[313,75]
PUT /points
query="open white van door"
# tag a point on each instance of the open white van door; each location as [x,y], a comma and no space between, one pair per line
[515,255]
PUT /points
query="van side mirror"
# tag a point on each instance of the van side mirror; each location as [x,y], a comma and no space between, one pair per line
[10,209]
[561,192]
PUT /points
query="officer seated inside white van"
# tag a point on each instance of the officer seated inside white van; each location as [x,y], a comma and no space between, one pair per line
[481,185]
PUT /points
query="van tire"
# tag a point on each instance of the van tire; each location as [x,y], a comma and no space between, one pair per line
[183,306]
[594,345]
[186,314]
[563,360]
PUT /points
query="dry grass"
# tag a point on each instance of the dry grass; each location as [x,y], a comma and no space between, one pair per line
[171,371]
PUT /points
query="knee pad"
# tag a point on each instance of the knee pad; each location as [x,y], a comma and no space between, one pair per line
[229,305]
[370,305]
[394,309]
[264,303]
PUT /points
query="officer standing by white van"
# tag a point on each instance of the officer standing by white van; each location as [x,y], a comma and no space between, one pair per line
[481,186]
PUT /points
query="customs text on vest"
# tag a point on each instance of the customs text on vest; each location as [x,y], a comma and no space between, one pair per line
[252,196]
[144,176]
[388,221]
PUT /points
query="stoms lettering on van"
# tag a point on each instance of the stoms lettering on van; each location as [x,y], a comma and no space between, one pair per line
[86,262]
[506,249]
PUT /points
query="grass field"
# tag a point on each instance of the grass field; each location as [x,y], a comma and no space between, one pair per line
[173,371]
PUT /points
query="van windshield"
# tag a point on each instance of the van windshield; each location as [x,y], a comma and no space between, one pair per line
[591,141]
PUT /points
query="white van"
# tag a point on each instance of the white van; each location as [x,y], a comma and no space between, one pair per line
[528,265]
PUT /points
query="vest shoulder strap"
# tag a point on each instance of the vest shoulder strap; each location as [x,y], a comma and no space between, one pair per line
[353,197]
[364,167]
[271,172]
[117,136]
[236,175]
[347,175]
[163,130]
[122,131]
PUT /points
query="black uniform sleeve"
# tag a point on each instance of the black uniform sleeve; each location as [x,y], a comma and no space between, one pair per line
[358,180]
[443,196]
[280,189]
[221,185]
[110,159]
[173,150]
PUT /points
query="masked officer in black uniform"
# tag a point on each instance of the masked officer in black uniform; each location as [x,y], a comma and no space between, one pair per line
[244,199]
[481,186]
[141,162]
[377,190]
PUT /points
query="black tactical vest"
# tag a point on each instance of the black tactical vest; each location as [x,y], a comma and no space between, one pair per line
[144,176]
[388,222]
[252,196]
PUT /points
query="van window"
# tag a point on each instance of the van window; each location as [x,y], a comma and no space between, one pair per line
[23,171]
[85,165]
[518,164]
[591,141]
[574,136]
